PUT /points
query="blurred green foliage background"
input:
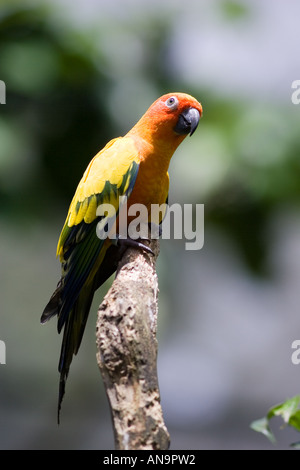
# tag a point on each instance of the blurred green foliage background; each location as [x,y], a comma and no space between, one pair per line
[79,74]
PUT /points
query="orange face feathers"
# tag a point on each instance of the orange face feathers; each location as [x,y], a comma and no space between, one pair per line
[170,118]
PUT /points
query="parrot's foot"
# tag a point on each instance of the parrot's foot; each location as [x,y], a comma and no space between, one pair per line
[130,243]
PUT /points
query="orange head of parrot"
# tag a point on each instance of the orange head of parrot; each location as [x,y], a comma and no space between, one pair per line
[170,119]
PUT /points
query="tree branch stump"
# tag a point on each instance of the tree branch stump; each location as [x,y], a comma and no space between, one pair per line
[127,353]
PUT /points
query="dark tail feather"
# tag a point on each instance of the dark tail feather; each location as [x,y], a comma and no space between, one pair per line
[54,305]
[73,328]
[73,332]
[62,386]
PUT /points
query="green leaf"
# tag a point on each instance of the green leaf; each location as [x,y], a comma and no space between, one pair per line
[290,413]
[295,420]
[285,409]
[262,426]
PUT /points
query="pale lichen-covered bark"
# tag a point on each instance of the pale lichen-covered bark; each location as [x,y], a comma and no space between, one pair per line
[127,352]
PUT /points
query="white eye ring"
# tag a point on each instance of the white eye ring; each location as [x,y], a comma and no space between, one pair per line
[172,102]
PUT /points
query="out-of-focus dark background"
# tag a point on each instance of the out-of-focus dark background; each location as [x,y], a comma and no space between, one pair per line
[78,74]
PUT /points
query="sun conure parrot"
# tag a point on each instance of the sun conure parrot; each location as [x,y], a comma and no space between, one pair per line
[135,166]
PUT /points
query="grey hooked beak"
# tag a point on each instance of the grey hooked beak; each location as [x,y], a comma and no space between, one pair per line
[187,122]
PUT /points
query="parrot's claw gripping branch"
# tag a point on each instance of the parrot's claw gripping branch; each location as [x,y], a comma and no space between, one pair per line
[127,353]
[129,243]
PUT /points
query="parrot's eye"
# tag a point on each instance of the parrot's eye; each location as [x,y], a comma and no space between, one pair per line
[172,102]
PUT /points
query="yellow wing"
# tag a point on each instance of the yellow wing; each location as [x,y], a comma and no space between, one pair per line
[111,173]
